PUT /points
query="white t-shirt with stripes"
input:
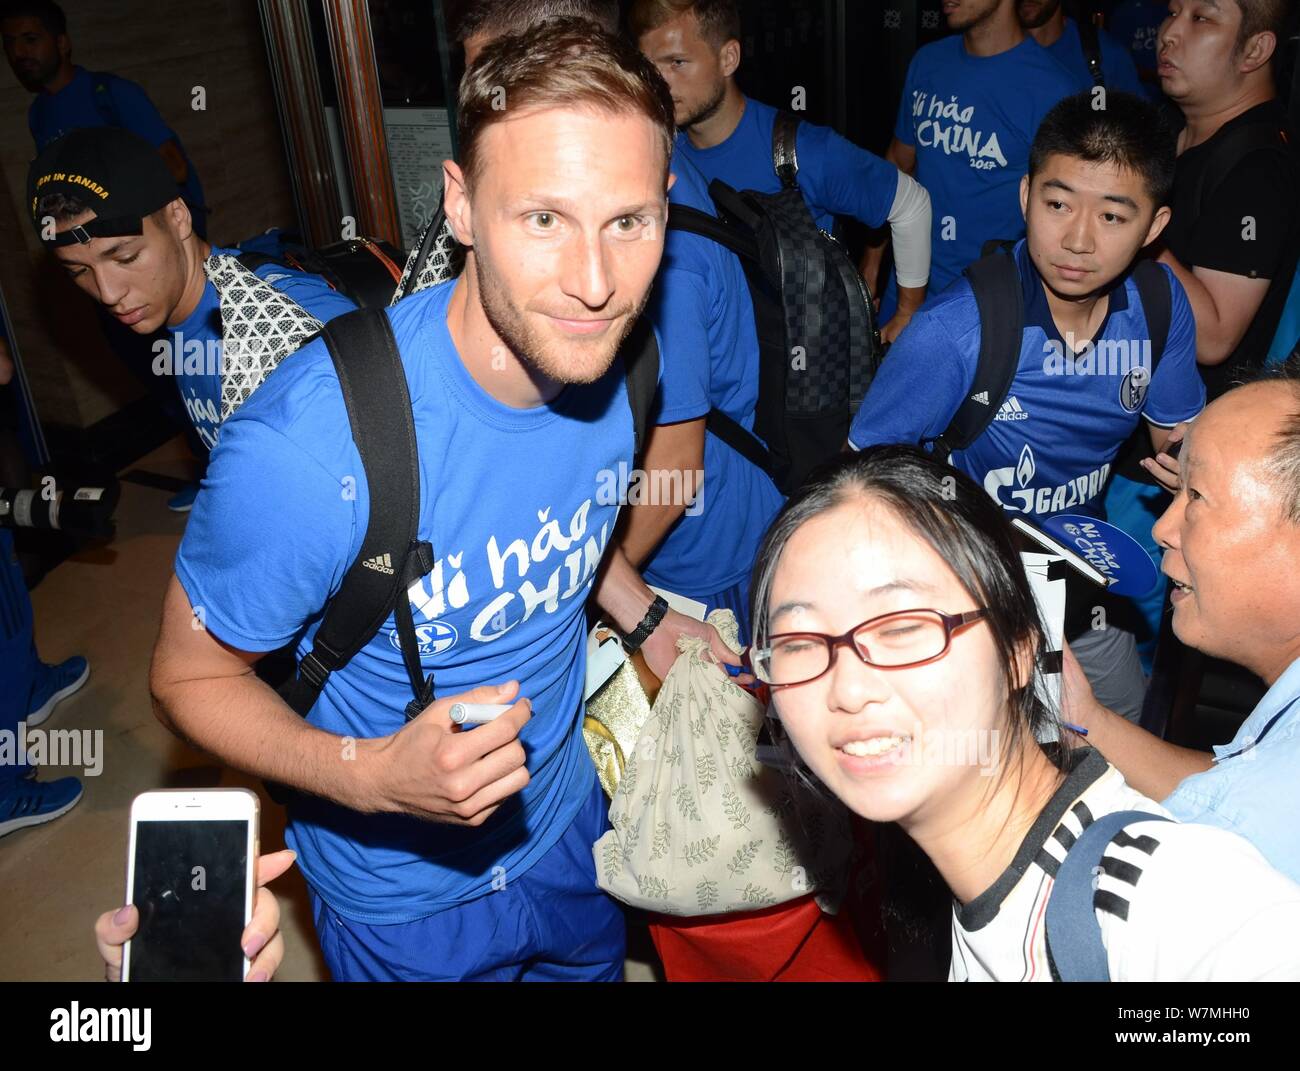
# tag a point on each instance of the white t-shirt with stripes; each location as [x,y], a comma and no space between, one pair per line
[1175,902]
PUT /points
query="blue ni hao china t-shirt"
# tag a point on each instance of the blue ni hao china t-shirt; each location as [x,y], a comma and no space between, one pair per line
[972,120]
[704,318]
[194,344]
[835,176]
[514,504]
[1050,447]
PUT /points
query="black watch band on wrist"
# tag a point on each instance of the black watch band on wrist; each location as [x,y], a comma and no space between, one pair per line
[634,639]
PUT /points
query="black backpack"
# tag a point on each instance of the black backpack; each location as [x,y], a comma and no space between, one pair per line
[995,281]
[392,556]
[818,343]
[365,270]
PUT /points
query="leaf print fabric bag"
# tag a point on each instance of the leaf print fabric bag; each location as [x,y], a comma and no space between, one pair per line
[700,827]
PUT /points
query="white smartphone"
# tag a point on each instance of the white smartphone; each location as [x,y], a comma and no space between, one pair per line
[191,872]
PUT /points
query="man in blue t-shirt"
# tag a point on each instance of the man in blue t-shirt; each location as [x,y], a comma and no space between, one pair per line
[728,136]
[69,97]
[971,103]
[1045,21]
[433,851]
[701,543]
[153,281]
[1136,25]
[1093,198]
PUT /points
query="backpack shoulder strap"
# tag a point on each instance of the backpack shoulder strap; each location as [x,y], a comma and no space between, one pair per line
[1073,933]
[995,281]
[785,155]
[1157,305]
[641,372]
[373,382]
[1090,39]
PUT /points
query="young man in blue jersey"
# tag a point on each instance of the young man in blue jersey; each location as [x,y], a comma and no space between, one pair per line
[970,105]
[727,135]
[1093,198]
[432,851]
[1047,23]
[148,276]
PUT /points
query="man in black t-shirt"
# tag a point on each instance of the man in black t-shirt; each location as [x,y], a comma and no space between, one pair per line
[1235,232]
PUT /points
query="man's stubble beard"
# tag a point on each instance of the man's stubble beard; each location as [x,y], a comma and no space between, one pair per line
[507,320]
[707,111]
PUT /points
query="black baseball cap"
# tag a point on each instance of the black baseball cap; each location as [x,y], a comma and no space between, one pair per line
[118,174]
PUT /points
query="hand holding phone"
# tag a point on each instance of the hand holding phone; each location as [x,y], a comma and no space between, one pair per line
[261,939]
[190,877]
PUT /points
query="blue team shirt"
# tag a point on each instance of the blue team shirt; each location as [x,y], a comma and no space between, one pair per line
[515,504]
[1136,25]
[1116,63]
[79,104]
[704,317]
[199,334]
[1050,447]
[971,120]
[835,177]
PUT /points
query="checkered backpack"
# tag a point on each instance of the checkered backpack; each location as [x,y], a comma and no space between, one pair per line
[818,343]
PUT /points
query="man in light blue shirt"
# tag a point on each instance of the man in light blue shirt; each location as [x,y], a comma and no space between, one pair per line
[1231,538]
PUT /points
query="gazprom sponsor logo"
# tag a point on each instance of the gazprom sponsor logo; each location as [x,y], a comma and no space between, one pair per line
[433,638]
[1010,488]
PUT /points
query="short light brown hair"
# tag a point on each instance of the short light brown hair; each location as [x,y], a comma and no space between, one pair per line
[718,20]
[561,63]
[492,18]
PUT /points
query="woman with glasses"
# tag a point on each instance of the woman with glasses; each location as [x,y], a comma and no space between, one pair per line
[896,628]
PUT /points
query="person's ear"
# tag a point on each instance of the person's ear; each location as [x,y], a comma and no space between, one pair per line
[1158,223]
[1024,196]
[456,203]
[1025,661]
[1257,53]
[63,45]
[177,220]
[729,57]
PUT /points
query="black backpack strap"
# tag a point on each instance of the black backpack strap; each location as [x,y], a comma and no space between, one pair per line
[1073,934]
[995,281]
[1090,39]
[373,382]
[785,154]
[1157,305]
[685,218]
[693,221]
[641,373]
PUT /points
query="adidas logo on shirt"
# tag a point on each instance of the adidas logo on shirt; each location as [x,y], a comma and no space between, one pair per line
[380,563]
[982,397]
[1011,410]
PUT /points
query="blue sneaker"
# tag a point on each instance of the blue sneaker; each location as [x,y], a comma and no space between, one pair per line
[56,683]
[183,500]
[29,803]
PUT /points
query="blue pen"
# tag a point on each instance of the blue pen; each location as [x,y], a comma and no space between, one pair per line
[1075,728]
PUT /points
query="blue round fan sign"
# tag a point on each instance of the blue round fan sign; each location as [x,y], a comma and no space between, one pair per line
[1109,550]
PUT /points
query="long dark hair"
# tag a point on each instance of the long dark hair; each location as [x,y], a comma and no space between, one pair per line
[969,531]
[963,525]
